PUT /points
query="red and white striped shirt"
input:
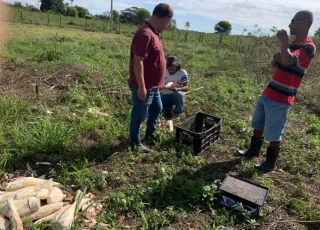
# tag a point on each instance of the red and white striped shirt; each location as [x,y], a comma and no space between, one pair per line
[287,79]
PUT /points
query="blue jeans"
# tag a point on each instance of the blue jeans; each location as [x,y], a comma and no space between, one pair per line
[151,107]
[174,99]
[270,116]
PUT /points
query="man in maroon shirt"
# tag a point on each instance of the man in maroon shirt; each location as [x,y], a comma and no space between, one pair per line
[147,70]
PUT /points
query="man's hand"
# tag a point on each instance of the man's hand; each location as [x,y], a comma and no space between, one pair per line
[142,93]
[283,36]
[173,88]
[287,58]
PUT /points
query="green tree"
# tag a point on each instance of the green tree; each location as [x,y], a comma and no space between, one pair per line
[71,11]
[129,15]
[103,16]
[116,16]
[173,24]
[274,30]
[317,33]
[53,5]
[142,14]
[244,31]
[223,27]
[18,4]
[82,12]
[257,31]
[187,25]
[31,8]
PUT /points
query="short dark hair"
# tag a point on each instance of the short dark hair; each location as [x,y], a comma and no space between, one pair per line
[306,15]
[163,10]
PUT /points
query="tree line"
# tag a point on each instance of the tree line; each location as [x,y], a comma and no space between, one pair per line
[132,15]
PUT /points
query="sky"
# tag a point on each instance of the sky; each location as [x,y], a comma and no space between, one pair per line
[204,14]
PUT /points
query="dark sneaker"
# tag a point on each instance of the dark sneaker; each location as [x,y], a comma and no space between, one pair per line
[144,148]
[152,140]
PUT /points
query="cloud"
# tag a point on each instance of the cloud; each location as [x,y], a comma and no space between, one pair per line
[241,12]
[246,12]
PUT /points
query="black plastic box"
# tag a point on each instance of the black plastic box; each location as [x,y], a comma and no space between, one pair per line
[199,132]
[236,191]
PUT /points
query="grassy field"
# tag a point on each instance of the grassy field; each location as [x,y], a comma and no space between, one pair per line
[77,72]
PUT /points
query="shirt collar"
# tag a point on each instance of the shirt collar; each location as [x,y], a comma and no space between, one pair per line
[307,40]
[147,23]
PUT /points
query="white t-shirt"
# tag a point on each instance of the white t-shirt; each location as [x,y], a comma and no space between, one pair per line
[179,78]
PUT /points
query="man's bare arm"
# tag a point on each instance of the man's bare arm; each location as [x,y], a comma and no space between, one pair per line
[138,70]
[276,59]
[139,74]
[273,63]
[287,57]
[184,87]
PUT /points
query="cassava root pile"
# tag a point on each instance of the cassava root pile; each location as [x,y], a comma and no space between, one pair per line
[38,200]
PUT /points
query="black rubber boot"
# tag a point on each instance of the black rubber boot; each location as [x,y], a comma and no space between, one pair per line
[254,149]
[270,163]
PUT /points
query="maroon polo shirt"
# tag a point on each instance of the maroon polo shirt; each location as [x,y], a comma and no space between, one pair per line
[146,43]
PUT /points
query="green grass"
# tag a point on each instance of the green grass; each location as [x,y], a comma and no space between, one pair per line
[170,188]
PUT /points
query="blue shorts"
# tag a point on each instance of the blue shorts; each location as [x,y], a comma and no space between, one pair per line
[270,116]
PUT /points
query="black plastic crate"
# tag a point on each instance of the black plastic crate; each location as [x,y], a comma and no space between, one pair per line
[199,132]
[236,191]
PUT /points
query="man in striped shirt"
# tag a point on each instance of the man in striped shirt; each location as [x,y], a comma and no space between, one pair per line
[270,116]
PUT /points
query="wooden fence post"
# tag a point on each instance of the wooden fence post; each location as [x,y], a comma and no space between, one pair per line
[107,23]
[220,40]
[240,42]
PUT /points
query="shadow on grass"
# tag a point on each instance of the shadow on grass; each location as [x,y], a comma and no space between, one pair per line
[312,226]
[99,152]
[185,190]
